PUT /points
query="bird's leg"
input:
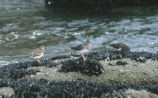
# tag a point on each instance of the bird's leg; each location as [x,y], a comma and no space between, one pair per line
[38,61]
[83,57]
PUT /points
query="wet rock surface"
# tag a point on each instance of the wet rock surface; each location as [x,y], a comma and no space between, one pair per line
[95,5]
[89,66]
[69,89]
[100,79]
[121,63]
[18,70]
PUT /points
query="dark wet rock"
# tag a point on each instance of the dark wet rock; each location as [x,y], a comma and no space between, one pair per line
[28,87]
[48,63]
[141,57]
[70,65]
[111,64]
[95,5]
[17,74]
[98,55]
[77,88]
[121,63]
[32,88]
[4,82]
[18,70]
[60,57]
[89,66]
[114,94]
[111,55]
[134,55]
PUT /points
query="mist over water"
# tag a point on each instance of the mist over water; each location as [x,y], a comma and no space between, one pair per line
[27,24]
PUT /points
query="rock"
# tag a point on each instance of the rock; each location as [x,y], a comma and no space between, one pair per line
[121,63]
[7,92]
[95,5]
[89,66]
[67,76]
[140,94]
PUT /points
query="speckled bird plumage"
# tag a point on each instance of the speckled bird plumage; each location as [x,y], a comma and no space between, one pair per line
[37,53]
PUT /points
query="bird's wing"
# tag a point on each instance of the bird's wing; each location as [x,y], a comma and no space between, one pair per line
[36,52]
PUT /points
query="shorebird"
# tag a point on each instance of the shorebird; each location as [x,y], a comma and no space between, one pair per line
[83,48]
[121,46]
[38,53]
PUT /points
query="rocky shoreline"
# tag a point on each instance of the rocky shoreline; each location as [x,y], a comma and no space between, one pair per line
[103,74]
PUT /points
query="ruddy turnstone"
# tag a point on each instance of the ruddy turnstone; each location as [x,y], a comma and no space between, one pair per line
[38,53]
[122,46]
[83,48]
